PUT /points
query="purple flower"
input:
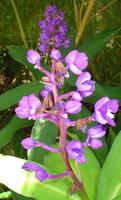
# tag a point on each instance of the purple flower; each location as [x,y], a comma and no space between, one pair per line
[84,85]
[73,107]
[76,61]
[28,107]
[41,174]
[53,31]
[76,96]
[28,143]
[105,110]
[55,54]
[97,131]
[95,143]
[30,166]
[33,57]
[44,93]
[75,151]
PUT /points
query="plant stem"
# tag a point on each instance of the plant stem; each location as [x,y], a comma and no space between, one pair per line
[19,23]
[62,142]
[76,13]
[84,21]
[46,147]
[55,92]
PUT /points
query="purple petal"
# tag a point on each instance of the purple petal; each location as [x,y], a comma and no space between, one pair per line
[73,107]
[34,102]
[100,117]
[113,105]
[75,69]
[24,102]
[85,76]
[95,143]
[41,174]
[30,166]
[81,61]
[97,131]
[33,56]
[28,143]
[70,58]
[74,144]
[101,102]
[55,54]
[22,113]
[77,96]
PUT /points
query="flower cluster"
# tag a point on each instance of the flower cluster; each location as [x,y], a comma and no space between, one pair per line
[56,107]
[50,104]
[53,30]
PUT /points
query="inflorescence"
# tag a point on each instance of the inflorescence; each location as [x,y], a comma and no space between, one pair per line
[56,107]
[53,31]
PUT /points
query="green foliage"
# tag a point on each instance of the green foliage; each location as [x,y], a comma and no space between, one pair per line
[110,178]
[97,43]
[9,130]
[27,185]
[11,97]
[18,53]
[88,172]
[43,131]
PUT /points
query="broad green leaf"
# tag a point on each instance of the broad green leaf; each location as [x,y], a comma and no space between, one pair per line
[18,53]
[23,182]
[8,131]
[110,179]
[89,172]
[43,131]
[96,44]
[11,97]
[117,198]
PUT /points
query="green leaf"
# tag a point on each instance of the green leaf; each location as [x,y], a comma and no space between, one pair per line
[100,91]
[8,131]
[43,131]
[110,179]
[12,96]
[117,198]
[95,44]
[89,171]
[23,182]
[18,53]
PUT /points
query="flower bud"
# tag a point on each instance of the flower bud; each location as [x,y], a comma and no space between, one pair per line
[28,143]
[33,57]
[55,54]
[76,96]
[44,93]
[30,166]
[73,107]
[97,131]
[95,144]
[75,151]
[41,174]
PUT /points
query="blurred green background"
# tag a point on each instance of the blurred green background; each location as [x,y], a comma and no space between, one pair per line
[105,14]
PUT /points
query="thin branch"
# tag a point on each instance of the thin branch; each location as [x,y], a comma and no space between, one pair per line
[84,21]
[19,23]
[62,142]
[76,13]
